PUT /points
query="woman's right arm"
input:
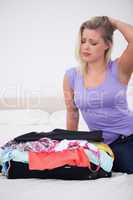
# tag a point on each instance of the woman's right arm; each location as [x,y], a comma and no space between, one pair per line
[72,118]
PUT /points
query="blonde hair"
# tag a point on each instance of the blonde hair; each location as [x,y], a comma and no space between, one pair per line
[102,24]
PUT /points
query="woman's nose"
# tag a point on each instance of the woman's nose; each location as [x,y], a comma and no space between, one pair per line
[86,46]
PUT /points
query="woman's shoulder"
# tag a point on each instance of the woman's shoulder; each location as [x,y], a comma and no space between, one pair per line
[112,62]
[115,69]
[113,66]
[72,71]
[71,74]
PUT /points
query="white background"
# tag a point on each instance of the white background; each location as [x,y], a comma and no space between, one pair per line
[38,38]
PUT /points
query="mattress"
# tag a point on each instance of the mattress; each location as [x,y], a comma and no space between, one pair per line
[120,185]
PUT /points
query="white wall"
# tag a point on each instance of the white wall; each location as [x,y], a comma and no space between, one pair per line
[37,41]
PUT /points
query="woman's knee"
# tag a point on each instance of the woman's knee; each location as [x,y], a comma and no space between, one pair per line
[123,161]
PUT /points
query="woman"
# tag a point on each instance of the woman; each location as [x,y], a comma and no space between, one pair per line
[98,86]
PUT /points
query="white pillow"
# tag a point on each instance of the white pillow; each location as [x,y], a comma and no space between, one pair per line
[9,132]
[58,120]
[24,116]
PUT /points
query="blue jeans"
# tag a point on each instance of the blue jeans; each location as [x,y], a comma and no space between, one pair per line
[123,152]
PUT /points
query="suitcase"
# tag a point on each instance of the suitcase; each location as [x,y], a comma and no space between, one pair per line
[19,170]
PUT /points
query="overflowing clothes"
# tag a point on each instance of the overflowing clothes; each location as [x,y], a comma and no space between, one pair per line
[43,154]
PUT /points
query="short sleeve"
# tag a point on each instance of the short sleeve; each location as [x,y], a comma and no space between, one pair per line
[70,73]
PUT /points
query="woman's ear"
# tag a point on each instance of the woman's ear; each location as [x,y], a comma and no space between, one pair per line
[108,45]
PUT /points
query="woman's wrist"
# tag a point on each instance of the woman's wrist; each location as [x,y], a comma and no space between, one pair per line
[114,22]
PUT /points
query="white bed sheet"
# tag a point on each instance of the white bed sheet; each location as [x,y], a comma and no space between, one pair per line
[119,186]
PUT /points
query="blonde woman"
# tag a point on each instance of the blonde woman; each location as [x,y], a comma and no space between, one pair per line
[98,85]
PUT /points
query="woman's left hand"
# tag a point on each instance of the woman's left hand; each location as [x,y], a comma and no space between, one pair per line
[113,22]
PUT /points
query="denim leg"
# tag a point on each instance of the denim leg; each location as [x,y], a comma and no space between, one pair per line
[123,152]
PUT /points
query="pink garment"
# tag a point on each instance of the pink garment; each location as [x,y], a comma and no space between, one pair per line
[51,160]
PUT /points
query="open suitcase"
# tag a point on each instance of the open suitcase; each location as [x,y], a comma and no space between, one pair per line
[67,172]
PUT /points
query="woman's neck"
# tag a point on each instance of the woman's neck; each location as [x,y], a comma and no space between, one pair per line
[97,67]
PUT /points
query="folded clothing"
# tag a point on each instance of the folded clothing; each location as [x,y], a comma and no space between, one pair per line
[60,134]
[45,160]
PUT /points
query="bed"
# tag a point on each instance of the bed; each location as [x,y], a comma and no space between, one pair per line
[23,116]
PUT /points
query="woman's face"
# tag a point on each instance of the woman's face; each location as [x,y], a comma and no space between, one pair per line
[93,46]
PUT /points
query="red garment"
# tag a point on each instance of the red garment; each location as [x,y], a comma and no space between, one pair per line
[51,160]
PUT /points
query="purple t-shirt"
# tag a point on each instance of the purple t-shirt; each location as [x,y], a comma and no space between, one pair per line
[103,107]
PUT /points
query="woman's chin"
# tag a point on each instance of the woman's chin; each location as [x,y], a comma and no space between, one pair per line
[86,60]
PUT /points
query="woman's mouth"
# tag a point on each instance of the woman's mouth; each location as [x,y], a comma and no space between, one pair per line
[86,54]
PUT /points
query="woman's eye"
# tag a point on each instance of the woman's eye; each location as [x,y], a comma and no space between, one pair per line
[83,41]
[94,44]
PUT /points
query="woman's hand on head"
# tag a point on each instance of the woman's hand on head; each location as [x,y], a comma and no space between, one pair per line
[113,22]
